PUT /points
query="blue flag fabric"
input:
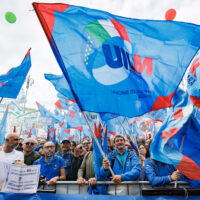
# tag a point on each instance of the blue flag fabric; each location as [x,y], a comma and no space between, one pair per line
[115,64]
[73,117]
[60,84]
[65,130]
[33,131]
[3,126]
[47,114]
[86,132]
[197,114]
[54,137]
[107,116]
[178,140]
[98,159]
[193,80]
[63,101]
[157,115]
[11,83]
[160,115]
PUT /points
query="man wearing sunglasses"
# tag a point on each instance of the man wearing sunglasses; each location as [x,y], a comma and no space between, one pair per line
[79,153]
[29,155]
[86,144]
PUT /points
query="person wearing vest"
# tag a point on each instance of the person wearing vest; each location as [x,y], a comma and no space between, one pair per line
[124,163]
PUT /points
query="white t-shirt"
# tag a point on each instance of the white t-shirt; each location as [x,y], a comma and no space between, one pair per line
[11,157]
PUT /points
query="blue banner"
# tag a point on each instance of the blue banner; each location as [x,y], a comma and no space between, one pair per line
[44,196]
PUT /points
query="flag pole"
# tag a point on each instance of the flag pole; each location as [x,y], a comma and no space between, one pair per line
[121,125]
[132,133]
[80,135]
[181,148]
[195,112]
[1,99]
[104,156]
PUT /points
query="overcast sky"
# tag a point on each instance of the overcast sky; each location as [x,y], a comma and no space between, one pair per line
[26,32]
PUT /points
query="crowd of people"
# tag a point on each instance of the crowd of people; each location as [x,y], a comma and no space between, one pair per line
[70,161]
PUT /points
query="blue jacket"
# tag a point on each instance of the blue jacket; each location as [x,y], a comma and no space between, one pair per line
[68,161]
[131,169]
[157,173]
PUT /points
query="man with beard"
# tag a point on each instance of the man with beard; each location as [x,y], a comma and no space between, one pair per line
[29,155]
[124,163]
[8,153]
[67,155]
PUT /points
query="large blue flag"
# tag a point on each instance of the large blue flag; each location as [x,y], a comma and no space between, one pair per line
[178,140]
[11,83]
[115,64]
[3,126]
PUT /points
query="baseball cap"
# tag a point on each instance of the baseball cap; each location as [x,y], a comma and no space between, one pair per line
[65,140]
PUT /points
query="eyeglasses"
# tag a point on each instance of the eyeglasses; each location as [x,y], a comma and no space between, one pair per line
[47,147]
[30,143]
[84,144]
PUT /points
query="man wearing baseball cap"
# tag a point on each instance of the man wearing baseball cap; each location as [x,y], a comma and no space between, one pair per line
[67,155]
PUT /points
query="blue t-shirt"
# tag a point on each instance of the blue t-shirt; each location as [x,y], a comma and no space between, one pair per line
[52,168]
[37,148]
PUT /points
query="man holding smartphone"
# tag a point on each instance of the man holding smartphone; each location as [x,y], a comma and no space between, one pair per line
[52,166]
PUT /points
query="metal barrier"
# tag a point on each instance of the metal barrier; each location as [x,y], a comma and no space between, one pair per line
[125,188]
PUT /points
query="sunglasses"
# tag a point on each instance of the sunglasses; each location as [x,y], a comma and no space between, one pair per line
[84,144]
[30,143]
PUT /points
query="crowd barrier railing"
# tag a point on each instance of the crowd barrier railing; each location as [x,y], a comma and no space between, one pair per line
[137,188]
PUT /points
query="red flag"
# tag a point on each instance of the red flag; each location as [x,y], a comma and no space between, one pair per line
[58,104]
[29,134]
[71,138]
[14,129]
[80,128]
[97,132]
[48,135]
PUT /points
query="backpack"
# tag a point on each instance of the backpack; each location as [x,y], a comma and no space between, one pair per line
[114,157]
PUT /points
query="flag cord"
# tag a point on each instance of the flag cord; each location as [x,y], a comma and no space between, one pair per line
[104,156]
